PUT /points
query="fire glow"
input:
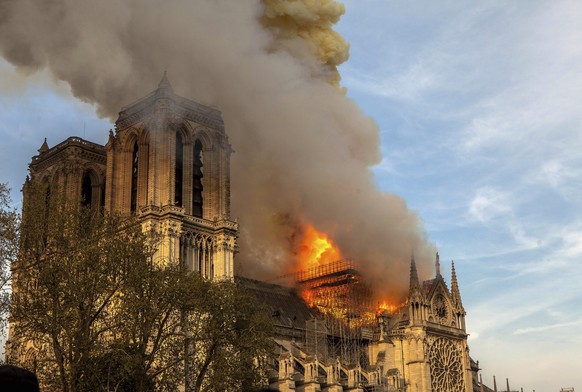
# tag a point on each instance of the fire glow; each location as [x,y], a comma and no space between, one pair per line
[316,249]
[390,308]
[333,285]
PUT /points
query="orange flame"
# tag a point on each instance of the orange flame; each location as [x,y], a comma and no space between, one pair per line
[316,249]
[389,307]
[386,307]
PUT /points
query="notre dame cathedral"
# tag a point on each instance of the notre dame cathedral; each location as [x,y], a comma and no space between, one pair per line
[168,162]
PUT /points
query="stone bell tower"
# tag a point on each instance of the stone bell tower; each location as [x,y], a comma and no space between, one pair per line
[168,162]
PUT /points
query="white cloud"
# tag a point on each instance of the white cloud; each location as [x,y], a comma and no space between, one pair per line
[408,85]
[473,336]
[521,331]
[489,203]
[522,239]
[561,174]
[572,244]
[386,167]
[553,172]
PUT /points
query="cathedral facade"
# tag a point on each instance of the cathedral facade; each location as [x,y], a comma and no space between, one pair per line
[168,163]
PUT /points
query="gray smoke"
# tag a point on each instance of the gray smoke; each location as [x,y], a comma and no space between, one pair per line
[302,149]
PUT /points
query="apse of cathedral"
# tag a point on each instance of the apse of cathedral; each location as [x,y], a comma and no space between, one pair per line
[168,162]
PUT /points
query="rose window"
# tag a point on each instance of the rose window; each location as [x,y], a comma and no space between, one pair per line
[446,366]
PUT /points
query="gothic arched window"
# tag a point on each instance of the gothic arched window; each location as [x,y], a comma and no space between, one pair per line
[102,190]
[86,190]
[47,208]
[134,166]
[197,180]
[178,170]
[47,197]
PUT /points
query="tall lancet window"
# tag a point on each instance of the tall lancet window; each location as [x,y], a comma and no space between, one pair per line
[47,208]
[102,190]
[86,190]
[197,180]
[134,165]
[178,171]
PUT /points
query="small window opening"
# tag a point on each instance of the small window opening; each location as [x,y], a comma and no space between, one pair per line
[197,175]
[87,191]
[134,167]
[178,171]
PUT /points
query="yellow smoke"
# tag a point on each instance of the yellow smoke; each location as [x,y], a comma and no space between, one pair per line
[310,21]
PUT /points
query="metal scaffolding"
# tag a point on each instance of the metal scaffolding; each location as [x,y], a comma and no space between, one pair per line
[338,292]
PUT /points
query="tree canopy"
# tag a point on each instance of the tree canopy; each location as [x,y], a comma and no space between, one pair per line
[9,234]
[93,311]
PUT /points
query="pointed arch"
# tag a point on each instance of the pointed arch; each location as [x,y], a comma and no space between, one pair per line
[321,371]
[363,377]
[186,131]
[203,255]
[343,375]
[143,136]
[138,133]
[203,135]
[130,138]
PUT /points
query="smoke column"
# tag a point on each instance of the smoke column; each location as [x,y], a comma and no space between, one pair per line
[301,23]
[302,149]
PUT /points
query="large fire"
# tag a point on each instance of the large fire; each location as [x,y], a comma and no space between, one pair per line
[390,308]
[333,285]
[316,249]
[386,307]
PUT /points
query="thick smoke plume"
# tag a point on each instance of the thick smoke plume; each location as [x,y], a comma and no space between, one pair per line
[312,21]
[302,149]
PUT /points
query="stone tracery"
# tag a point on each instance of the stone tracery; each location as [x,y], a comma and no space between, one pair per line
[446,366]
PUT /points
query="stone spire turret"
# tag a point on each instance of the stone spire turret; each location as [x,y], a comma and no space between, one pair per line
[415,296]
[414,282]
[456,297]
[438,265]
[44,147]
[507,381]
[165,83]
[455,293]
[494,384]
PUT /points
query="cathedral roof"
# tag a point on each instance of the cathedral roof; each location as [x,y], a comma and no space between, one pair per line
[286,307]
[49,155]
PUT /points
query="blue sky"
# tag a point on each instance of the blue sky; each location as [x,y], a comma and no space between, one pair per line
[479,110]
